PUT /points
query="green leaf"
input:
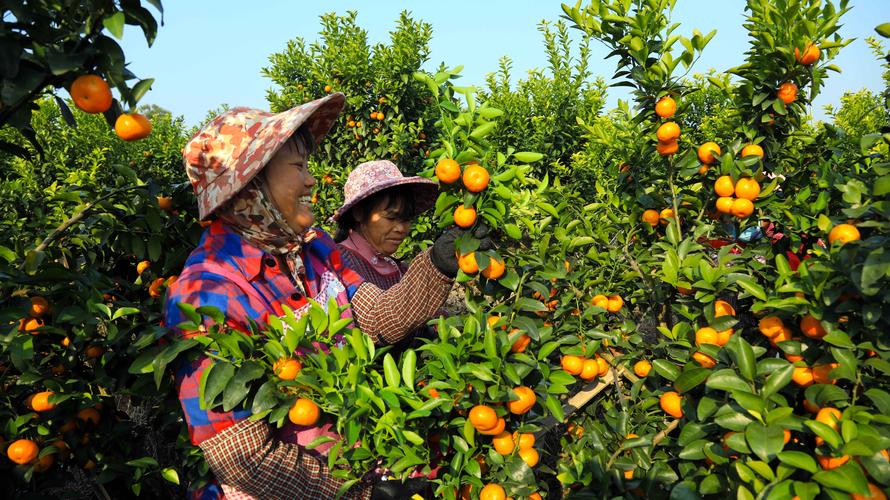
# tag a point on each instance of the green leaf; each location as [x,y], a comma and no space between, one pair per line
[727,380]
[744,358]
[848,477]
[409,365]
[555,409]
[764,440]
[883,30]
[666,369]
[115,24]
[483,130]
[513,231]
[219,377]
[391,372]
[238,387]
[777,380]
[527,157]
[691,378]
[751,287]
[825,432]
[170,474]
[799,460]
[265,398]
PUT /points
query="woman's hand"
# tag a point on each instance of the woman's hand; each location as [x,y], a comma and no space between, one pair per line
[444,255]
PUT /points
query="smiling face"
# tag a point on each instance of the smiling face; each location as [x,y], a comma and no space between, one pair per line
[387,222]
[290,184]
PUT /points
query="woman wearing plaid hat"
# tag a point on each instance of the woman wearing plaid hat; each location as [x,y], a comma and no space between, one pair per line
[249,172]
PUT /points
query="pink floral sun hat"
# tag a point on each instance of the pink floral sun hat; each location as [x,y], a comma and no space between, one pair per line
[375,176]
[228,152]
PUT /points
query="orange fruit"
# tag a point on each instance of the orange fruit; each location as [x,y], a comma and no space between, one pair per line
[812,327]
[742,207]
[810,407]
[40,401]
[154,289]
[30,325]
[287,368]
[702,170]
[530,456]
[600,301]
[752,150]
[615,303]
[328,88]
[672,404]
[723,336]
[572,364]
[525,440]
[602,366]
[828,463]
[132,126]
[590,370]
[497,429]
[467,263]
[65,342]
[64,449]
[91,94]
[142,266]
[667,148]
[22,451]
[708,152]
[724,186]
[747,188]
[494,270]
[829,416]
[803,376]
[525,402]
[787,92]
[704,360]
[650,217]
[94,351]
[724,204]
[821,373]
[475,178]
[666,107]
[810,54]
[39,307]
[447,171]
[464,217]
[89,415]
[535,496]
[304,412]
[483,417]
[642,368]
[503,443]
[874,493]
[770,326]
[668,132]
[722,308]
[380,116]
[521,343]
[666,214]
[165,203]
[843,233]
[706,335]
[492,491]
[43,464]
[786,436]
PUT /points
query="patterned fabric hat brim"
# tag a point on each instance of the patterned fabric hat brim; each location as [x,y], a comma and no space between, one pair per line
[423,190]
[228,152]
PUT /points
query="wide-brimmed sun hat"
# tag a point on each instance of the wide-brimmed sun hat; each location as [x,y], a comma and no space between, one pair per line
[228,152]
[375,176]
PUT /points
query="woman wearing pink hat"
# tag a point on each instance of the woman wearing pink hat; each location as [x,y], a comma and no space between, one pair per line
[261,253]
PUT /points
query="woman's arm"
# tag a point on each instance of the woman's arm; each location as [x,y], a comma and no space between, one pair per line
[388,316]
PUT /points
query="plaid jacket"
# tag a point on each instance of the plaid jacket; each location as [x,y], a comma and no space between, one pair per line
[246,284]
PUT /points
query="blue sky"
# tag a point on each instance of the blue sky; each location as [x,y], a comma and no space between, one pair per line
[207,54]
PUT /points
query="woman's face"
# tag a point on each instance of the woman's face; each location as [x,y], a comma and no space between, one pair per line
[385,227]
[290,186]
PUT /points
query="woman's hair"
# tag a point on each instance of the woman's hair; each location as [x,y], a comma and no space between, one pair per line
[397,201]
[303,141]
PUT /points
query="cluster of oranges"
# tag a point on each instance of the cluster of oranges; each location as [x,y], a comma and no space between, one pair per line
[91,94]
[774,329]
[668,132]
[708,335]
[26,451]
[585,368]
[736,198]
[39,308]
[787,91]
[486,421]
[475,179]
[653,217]
[612,303]
[158,285]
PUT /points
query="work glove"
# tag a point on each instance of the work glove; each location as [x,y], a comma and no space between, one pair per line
[444,252]
[397,490]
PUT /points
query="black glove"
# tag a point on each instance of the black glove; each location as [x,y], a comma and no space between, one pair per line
[444,252]
[397,490]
